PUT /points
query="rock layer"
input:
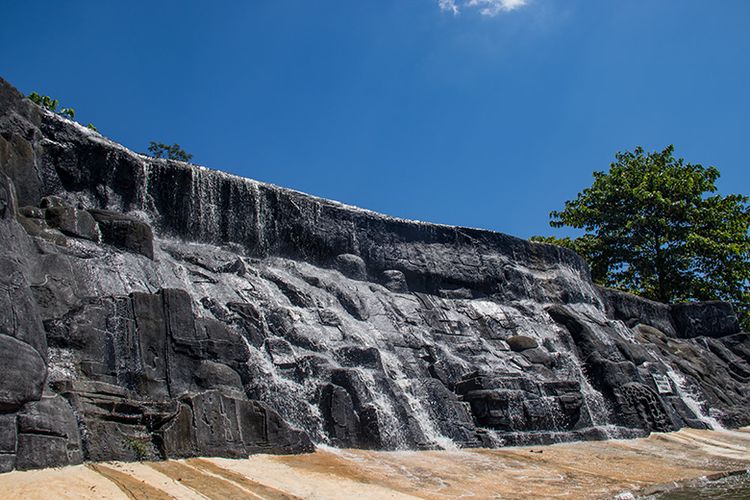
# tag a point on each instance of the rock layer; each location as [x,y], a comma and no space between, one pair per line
[155,309]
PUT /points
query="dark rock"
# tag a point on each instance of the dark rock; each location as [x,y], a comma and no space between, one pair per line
[53,202]
[212,375]
[220,342]
[364,357]
[395,281]
[237,267]
[341,420]
[151,344]
[634,352]
[50,415]
[48,435]
[539,356]
[7,462]
[253,322]
[32,212]
[739,344]
[125,232]
[705,319]
[20,316]
[231,427]
[329,317]
[17,162]
[176,438]
[37,450]
[73,222]
[519,343]
[633,310]
[22,373]
[352,266]
[8,434]
[281,352]
[7,198]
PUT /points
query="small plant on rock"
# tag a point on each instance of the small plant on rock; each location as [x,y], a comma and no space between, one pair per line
[51,104]
[141,447]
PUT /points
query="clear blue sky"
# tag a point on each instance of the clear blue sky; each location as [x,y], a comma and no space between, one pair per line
[403,106]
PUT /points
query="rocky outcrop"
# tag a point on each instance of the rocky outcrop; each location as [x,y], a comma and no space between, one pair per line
[156,309]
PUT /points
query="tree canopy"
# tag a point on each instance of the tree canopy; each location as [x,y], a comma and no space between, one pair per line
[173,152]
[655,226]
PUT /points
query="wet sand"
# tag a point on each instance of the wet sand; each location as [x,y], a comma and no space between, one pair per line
[600,469]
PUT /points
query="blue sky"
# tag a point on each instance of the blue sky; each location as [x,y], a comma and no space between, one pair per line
[483,113]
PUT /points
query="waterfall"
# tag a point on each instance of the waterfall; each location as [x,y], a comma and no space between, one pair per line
[421,415]
[290,399]
[691,399]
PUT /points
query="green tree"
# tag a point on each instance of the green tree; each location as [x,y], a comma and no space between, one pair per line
[654,225]
[173,152]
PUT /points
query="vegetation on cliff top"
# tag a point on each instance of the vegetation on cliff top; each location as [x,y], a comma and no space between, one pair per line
[173,152]
[654,226]
[157,149]
[51,104]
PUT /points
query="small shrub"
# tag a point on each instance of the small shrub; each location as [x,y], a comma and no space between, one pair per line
[141,447]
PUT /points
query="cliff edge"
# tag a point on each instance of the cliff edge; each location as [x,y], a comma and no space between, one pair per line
[155,309]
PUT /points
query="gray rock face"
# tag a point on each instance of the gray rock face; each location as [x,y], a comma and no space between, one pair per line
[73,222]
[125,232]
[708,319]
[48,435]
[215,315]
[22,373]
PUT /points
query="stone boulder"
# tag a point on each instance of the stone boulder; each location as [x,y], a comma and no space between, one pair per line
[352,266]
[213,375]
[395,281]
[519,343]
[125,232]
[73,222]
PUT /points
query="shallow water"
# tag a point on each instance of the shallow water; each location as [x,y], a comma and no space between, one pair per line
[601,469]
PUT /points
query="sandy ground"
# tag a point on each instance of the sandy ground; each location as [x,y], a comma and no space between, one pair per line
[573,470]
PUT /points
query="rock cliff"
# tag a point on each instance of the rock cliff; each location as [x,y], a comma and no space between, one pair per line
[155,309]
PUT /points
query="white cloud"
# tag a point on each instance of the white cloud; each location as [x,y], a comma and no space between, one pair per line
[448,5]
[486,7]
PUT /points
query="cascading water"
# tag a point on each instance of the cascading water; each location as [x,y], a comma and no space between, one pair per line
[290,399]
[420,414]
[691,400]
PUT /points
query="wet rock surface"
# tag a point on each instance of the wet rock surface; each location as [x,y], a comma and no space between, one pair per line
[154,309]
